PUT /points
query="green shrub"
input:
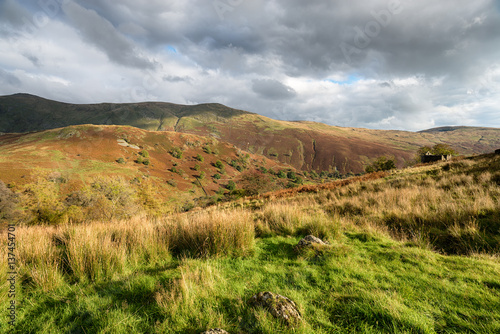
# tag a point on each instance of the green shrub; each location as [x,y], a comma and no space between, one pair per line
[176,152]
[196,167]
[231,185]
[219,164]
[200,158]
[121,161]
[217,176]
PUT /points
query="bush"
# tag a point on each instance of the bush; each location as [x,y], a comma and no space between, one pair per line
[176,152]
[217,176]
[219,164]
[172,183]
[231,185]
[144,154]
[196,167]
[282,174]
[8,202]
[200,158]
[121,161]
[381,164]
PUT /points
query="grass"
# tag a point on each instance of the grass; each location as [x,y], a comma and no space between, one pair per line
[412,252]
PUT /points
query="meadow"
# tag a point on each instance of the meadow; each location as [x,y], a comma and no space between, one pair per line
[411,251]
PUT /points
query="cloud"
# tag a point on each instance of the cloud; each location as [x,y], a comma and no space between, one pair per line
[272,89]
[101,33]
[9,79]
[376,64]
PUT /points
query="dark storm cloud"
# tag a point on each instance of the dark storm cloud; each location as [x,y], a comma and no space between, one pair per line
[101,33]
[272,89]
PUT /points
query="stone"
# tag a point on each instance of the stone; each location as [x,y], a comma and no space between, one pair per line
[309,241]
[215,331]
[279,306]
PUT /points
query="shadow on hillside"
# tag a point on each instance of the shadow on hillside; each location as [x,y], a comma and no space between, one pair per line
[278,247]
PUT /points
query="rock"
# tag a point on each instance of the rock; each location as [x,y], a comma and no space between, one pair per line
[215,331]
[309,241]
[280,307]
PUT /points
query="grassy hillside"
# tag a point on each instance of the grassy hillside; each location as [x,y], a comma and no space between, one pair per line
[414,251]
[55,169]
[305,145]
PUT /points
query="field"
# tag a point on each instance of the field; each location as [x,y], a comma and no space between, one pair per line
[412,251]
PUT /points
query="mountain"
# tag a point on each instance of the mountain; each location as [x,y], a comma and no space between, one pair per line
[303,145]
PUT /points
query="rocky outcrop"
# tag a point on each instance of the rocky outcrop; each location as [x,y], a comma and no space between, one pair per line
[279,306]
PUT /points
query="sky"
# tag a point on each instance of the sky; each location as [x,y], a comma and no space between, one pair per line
[379,64]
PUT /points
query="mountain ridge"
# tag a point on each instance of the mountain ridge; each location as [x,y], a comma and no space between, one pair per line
[305,145]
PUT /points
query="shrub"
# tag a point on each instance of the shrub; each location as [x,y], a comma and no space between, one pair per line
[8,202]
[202,175]
[144,154]
[219,164]
[207,149]
[200,158]
[291,175]
[217,176]
[281,174]
[381,164]
[172,183]
[120,160]
[176,152]
[196,167]
[231,185]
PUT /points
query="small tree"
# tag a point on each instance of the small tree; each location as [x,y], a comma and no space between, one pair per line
[219,164]
[231,185]
[381,164]
[199,157]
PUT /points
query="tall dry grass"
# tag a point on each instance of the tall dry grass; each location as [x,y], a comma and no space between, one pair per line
[98,251]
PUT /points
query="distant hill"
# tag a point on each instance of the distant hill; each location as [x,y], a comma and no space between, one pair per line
[304,145]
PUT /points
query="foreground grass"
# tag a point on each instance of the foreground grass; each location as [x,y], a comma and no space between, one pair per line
[383,273]
[364,284]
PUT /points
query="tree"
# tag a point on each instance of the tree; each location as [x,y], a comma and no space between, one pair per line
[381,164]
[219,164]
[199,158]
[231,185]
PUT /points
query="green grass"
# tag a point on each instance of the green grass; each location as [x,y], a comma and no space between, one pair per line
[364,284]
[385,271]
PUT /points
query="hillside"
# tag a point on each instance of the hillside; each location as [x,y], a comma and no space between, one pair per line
[304,145]
[412,251]
[179,167]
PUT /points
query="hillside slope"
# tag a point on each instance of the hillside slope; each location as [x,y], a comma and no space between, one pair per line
[304,145]
[181,167]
